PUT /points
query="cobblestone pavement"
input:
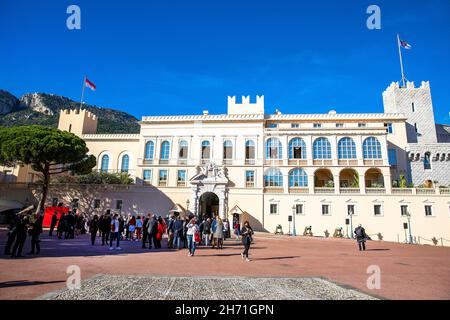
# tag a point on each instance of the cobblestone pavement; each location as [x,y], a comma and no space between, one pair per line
[119,287]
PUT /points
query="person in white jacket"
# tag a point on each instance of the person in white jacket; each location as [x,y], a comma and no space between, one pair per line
[192,230]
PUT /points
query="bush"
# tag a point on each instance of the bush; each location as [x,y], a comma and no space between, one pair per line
[96,178]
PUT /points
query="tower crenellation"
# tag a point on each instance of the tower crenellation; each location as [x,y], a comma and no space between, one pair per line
[246,107]
[78,122]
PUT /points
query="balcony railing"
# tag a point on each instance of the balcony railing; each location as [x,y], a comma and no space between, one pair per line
[425,191]
[323,190]
[273,190]
[163,161]
[182,161]
[352,162]
[162,183]
[402,191]
[181,183]
[299,190]
[375,190]
[250,184]
[444,190]
[250,161]
[327,162]
[298,162]
[227,161]
[373,162]
[349,190]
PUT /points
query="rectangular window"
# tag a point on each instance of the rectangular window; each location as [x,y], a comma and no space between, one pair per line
[295,125]
[249,179]
[273,208]
[389,128]
[413,108]
[163,178]
[147,176]
[272,125]
[299,209]
[392,155]
[361,125]
[119,204]
[351,209]
[181,177]
[317,125]
[96,203]
[404,210]
[377,210]
[325,209]
[339,125]
[428,211]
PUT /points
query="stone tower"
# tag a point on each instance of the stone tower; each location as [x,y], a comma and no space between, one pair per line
[78,122]
[416,105]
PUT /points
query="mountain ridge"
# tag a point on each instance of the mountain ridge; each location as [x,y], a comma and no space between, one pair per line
[43,109]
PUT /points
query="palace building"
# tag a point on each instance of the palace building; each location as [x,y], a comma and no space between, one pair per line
[324,171]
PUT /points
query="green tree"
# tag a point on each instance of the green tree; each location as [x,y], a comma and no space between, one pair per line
[48,151]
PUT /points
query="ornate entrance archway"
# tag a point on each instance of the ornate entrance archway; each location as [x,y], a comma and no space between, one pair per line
[210,179]
[208,205]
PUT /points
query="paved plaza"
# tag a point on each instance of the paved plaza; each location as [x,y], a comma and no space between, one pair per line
[282,267]
[106,287]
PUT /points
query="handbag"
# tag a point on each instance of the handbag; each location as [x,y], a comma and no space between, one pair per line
[197,237]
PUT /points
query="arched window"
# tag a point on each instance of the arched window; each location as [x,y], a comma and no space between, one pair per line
[227,149]
[322,149]
[206,150]
[104,164]
[183,152]
[273,178]
[250,149]
[371,148]
[125,163]
[165,150]
[297,149]
[298,178]
[273,149]
[426,161]
[149,150]
[346,148]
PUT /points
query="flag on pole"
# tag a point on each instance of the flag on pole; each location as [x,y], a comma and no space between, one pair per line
[89,84]
[405,44]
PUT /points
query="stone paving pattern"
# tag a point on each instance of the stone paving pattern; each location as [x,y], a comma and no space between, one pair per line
[119,287]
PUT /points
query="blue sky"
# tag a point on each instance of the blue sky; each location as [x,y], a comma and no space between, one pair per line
[180,57]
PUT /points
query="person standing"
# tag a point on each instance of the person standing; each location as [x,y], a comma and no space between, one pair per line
[178,232]
[22,228]
[160,231]
[246,234]
[93,228]
[60,229]
[192,230]
[170,232]
[53,223]
[237,229]
[139,228]
[206,232]
[152,231]
[225,228]
[218,234]
[132,228]
[12,233]
[361,237]
[213,230]
[145,231]
[115,225]
[35,232]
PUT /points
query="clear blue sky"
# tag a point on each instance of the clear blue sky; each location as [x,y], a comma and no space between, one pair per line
[180,57]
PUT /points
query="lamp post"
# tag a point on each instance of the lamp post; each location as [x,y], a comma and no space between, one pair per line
[408,216]
[187,205]
[350,213]
[294,232]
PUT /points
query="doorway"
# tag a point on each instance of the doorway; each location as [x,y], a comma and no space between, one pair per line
[209,205]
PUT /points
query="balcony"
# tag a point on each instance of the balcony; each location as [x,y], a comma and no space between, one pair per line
[375,190]
[402,191]
[227,161]
[162,183]
[250,184]
[181,183]
[378,162]
[349,190]
[352,162]
[444,190]
[250,162]
[327,162]
[273,190]
[204,161]
[182,161]
[321,190]
[425,191]
[298,162]
[273,162]
[299,190]
[163,161]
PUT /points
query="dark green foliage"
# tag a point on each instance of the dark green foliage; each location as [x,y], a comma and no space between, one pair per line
[96,178]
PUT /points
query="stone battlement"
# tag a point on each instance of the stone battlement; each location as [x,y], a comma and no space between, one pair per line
[245,107]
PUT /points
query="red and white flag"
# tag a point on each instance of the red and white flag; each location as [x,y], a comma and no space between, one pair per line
[89,84]
[405,44]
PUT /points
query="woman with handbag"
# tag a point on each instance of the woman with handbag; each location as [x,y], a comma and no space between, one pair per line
[246,234]
[193,232]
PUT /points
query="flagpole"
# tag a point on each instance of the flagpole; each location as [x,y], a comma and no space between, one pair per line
[401,60]
[82,93]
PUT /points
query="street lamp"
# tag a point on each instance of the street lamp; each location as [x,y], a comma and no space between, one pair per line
[408,216]
[294,232]
[187,205]
[350,213]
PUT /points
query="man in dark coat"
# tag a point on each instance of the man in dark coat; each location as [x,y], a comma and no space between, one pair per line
[152,231]
[104,228]
[53,223]
[361,237]
[61,229]
[35,232]
[93,228]
[145,236]
[12,233]
[22,228]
